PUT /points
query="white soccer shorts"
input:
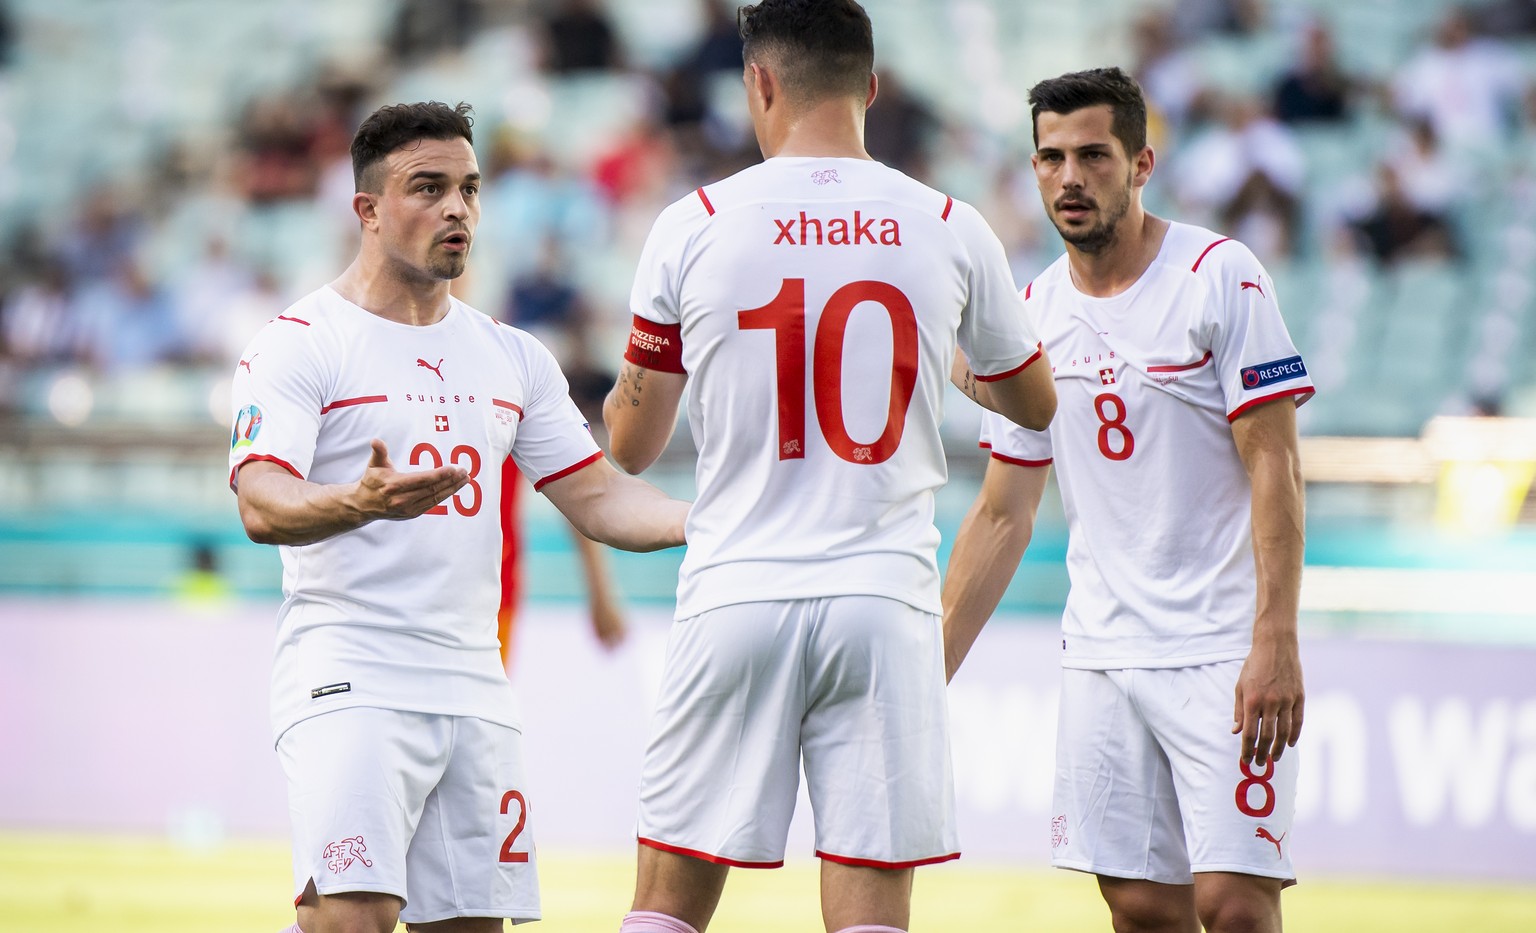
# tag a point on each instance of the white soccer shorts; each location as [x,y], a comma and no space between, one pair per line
[854,683]
[429,808]
[1148,782]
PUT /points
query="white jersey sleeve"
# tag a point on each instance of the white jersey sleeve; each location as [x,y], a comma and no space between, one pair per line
[1254,354]
[554,439]
[1007,441]
[279,391]
[994,319]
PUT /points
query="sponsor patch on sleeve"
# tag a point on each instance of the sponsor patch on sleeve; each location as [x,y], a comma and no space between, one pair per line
[1267,374]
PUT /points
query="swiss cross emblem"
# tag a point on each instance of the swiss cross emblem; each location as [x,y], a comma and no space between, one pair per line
[440,422]
[1107,376]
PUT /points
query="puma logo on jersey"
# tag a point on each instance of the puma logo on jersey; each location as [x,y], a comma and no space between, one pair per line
[1258,285]
[342,854]
[436,369]
[247,363]
[838,231]
[1262,833]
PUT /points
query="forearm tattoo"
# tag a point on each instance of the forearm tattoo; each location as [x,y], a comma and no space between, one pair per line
[968,385]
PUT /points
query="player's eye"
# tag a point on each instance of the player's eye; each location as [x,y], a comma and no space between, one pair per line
[471,190]
[428,189]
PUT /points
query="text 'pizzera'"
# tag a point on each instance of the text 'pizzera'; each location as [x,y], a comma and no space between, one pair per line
[838,231]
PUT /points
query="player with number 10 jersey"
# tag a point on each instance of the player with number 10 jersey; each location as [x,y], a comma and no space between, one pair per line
[843,285]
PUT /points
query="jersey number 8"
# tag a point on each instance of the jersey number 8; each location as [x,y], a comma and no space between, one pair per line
[1113,425]
[785,316]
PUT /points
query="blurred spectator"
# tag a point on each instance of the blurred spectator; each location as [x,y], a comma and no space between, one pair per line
[1316,90]
[1507,18]
[898,128]
[638,162]
[1166,72]
[425,27]
[202,295]
[1194,19]
[546,302]
[528,200]
[1467,88]
[274,143]
[581,38]
[127,321]
[1397,229]
[1431,179]
[1245,176]
[38,326]
[102,237]
[246,311]
[7,34]
[719,48]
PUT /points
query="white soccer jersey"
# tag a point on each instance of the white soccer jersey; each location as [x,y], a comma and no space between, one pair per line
[818,303]
[1157,500]
[399,614]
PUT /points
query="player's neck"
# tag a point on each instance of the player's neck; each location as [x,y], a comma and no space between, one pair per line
[370,286]
[1121,263]
[833,129]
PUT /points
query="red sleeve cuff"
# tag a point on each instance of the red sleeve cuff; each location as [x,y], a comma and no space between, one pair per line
[1301,393]
[1014,371]
[266,457]
[561,474]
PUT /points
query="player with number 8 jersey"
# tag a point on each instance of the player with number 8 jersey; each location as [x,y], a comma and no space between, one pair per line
[1175,449]
[813,304]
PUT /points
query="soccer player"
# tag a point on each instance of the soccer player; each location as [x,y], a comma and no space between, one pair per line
[1175,447]
[815,302]
[371,421]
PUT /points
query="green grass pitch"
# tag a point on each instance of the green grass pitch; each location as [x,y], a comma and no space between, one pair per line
[87,883]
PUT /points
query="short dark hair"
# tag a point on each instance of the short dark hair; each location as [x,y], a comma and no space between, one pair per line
[820,48]
[391,127]
[1072,92]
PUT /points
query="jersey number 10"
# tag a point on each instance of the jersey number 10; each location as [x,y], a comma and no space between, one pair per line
[785,316]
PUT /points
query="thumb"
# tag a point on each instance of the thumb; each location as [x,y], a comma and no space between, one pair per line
[380,456]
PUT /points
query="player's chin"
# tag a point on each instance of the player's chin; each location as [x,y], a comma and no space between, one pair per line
[448,267]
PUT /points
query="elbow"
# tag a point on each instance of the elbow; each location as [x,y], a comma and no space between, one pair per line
[631,456]
[630,461]
[1038,416]
[257,528]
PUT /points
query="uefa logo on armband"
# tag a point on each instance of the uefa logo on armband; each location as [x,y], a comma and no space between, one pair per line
[247,426]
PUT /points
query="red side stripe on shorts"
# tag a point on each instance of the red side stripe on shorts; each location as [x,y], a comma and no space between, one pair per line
[889,866]
[1196,266]
[705,198]
[708,857]
[949,202]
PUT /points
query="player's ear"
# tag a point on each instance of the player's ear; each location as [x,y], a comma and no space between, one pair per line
[1142,166]
[366,207]
[874,89]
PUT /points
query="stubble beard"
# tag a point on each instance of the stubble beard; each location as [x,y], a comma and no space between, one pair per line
[1101,235]
[447,265]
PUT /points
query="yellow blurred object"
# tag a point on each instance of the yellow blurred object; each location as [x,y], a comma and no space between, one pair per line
[1486,467]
